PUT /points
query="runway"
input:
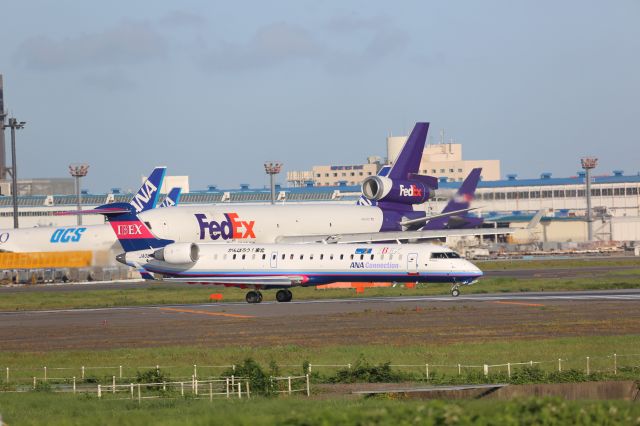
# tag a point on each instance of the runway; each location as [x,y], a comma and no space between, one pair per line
[384,320]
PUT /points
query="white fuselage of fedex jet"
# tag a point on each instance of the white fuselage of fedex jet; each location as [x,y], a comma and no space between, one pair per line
[260,223]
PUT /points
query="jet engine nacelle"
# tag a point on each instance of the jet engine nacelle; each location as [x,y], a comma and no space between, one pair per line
[178,253]
[380,188]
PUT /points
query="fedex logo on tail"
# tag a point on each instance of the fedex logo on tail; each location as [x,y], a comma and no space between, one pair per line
[230,228]
[410,191]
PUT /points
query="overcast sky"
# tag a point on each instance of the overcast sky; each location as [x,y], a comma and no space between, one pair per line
[213,90]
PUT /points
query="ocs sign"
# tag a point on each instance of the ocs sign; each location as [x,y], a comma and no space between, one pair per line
[67,235]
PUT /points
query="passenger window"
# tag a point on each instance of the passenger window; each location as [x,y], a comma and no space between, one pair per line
[351,257]
[291,257]
[311,256]
[321,256]
[234,257]
[362,257]
[331,257]
[283,255]
[371,257]
[264,256]
[244,256]
[301,256]
[341,256]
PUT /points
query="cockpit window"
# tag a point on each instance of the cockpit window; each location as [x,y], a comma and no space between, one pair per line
[453,255]
[438,255]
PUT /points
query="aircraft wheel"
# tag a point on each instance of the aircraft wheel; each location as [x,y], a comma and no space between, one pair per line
[289,295]
[455,292]
[259,297]
[281,296]
[253,297]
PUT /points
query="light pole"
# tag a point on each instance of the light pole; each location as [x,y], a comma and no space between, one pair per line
[272,168]
[13,125]
[78,171]
[589,163]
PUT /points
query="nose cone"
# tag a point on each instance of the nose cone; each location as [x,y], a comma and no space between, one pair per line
[122,258]
[475,270]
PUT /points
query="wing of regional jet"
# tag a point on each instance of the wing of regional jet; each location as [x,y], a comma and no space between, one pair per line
[372,237]
[266,281]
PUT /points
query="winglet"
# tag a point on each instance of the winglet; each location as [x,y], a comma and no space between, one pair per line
[147,196]
[172,198]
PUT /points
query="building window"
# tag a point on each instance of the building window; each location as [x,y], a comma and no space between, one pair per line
[632,191]
[607,191]
[441,170]
[570,193]
[326,175]
[595,192]
[534,194]
[618,191]
[500,196]
[487,196]
[360,173]
[523,195]
[335,175]
[318,174]
[369,173]
[558,193]
[547,194]
[512,195]
[459,170]
[581,193]
[450,170]
[433,171]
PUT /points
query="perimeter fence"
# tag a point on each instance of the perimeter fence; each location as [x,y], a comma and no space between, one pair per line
[120,378]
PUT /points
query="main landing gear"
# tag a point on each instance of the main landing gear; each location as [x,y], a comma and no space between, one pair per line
[254,297]
[284,296]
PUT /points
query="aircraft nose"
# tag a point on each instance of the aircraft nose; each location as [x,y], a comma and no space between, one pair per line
[122,258]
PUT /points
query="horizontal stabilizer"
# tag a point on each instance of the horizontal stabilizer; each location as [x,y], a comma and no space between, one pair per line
[436,216]
[99,210]
[428,181]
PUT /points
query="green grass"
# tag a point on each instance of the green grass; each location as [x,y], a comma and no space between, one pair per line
[45,408]
[178,361]
[600,261]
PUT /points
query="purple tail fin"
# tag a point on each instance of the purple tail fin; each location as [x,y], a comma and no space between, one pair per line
[460,201]
[409,159]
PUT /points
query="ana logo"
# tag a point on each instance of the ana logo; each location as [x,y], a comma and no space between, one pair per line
[67,235]
[411,191]
[357,265]
[364,251]
[143,196]
[231,228]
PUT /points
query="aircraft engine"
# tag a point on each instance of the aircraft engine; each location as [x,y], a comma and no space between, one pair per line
[381,188]
[178,253]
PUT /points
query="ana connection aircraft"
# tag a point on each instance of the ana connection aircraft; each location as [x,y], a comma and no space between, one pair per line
[283,266]
[88,237]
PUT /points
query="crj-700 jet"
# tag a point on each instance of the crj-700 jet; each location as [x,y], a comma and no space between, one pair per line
[283,266]
[391,216]
[89,237]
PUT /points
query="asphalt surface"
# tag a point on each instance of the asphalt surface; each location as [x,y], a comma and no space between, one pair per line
[383,320]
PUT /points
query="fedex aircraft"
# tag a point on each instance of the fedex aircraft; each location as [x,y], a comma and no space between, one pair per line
[88,237]
[390,215]
[283,266]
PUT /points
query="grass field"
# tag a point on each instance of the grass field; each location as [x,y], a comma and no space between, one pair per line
[43,408]
[573,352]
